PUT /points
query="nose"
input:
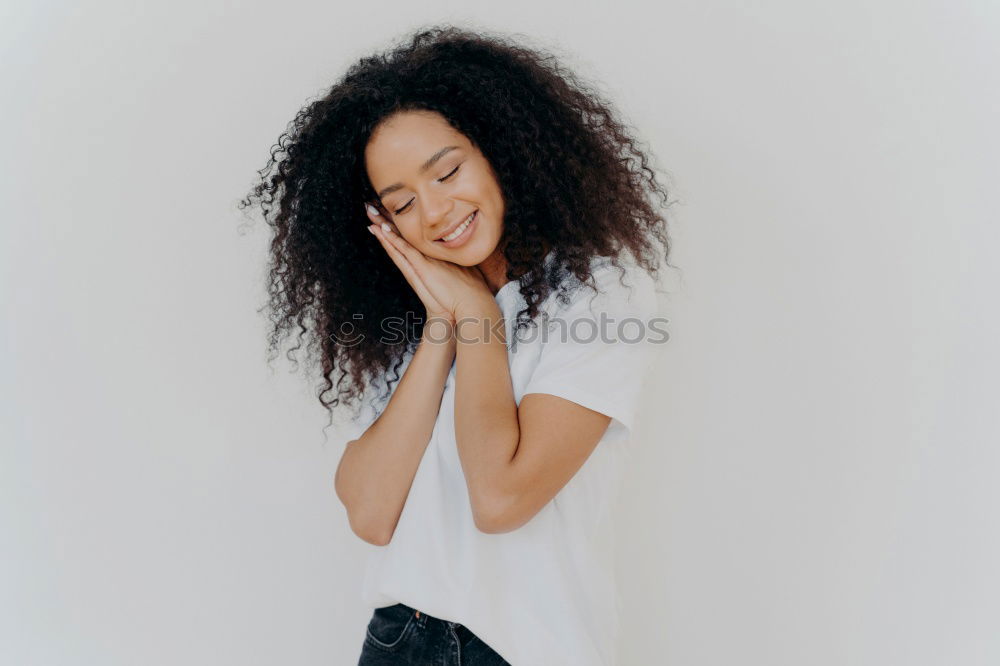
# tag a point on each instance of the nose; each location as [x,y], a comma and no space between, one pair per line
[435,207]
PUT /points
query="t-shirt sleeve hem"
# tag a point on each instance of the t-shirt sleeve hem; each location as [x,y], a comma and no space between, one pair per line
[597,402]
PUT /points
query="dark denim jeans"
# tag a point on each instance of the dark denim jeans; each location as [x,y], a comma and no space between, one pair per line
[402,635]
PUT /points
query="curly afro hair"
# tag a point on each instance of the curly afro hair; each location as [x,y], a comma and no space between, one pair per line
[572,179]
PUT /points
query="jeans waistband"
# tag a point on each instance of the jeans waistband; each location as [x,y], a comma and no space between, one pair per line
[424,620]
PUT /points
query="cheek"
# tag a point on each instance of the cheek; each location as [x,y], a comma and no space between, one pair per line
[411,235]
[405,228]
[496,197]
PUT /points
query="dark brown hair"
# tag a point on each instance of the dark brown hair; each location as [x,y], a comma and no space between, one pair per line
[571,175]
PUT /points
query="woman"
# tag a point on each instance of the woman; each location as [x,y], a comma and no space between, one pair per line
[481,184]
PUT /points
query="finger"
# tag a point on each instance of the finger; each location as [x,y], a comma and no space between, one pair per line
[404,265]
[391,250]
[417,259]
[404,255]
[378,223]
[374,216]
[399,242]
[379,216]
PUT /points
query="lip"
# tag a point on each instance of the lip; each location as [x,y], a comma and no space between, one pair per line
[455,242]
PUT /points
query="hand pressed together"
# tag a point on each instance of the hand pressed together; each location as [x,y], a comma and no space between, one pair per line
[442,286]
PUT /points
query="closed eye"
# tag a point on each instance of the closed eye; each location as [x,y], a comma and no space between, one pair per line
[440,180]
[449,175]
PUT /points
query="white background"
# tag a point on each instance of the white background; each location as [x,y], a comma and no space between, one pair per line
[816,474]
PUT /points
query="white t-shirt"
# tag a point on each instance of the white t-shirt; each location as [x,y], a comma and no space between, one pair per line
[545,593]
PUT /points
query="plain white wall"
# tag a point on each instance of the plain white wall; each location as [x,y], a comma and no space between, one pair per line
[815,478]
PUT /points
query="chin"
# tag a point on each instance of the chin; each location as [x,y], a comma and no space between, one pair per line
[463,259]
[470,255]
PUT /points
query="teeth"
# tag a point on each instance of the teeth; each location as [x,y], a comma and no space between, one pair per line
[458,232]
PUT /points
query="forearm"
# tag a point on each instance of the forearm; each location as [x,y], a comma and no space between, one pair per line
[376,471]
[486,421]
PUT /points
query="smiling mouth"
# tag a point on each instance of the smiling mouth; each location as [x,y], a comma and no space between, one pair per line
[460,229]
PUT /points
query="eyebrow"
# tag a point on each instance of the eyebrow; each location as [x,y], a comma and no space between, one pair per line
[423,167]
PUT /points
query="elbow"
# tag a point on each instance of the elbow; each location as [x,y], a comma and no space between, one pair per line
[376,538]
[370,528]
[365,526]
[377,534]
[498,516]
[490,526]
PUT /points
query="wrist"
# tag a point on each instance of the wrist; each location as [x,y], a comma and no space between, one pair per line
[438,330]
[484,307]
[480,320]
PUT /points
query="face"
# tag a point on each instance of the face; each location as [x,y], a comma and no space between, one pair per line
[430,179]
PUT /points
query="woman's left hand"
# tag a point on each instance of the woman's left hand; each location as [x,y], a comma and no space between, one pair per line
[451,285]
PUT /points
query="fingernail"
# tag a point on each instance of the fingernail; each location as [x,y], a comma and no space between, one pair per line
[372,210]
[370,230]
[386,228]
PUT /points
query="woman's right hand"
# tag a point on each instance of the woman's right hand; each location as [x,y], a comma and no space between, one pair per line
[434,309]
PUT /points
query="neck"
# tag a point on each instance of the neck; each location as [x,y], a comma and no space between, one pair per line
[494,269]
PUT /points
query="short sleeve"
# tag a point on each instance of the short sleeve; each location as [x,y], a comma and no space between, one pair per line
[598,349]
